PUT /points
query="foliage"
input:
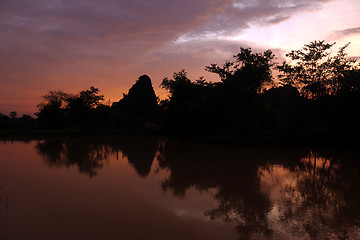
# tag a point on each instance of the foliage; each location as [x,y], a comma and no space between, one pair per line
[59,108]
[80,106]
[181,88]
[55,99]
[190,105]
[91,98]
[315,72]
[51,113]
[141,100]
[13,115]
[250,72]
[231,105]
[318,98]
[138,108]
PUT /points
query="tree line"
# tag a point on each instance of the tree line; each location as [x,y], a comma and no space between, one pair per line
[315,94]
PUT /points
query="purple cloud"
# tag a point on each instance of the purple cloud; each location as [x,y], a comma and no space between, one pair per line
[66,44]
[348,32]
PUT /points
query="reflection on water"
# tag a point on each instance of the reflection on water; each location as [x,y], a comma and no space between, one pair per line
[320,192]
[232,173]
[87,157]
[258,192]
[90,155]
[3,192]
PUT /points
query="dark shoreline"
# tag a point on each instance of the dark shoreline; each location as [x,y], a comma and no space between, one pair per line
[219,139]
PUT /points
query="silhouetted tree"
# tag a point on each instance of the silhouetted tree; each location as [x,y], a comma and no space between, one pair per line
[283,110]
[81,105]
[231,106]
[3,116]
[4,121]
[331,85]
[250,72]
[51,113]
[239,105]
[190,106]
[348,84]
[315,72]
[13,115]
[61,109]
[317,95]
[140,106]
[57,99]
[91,98]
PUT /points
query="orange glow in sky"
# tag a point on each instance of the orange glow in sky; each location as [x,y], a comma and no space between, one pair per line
[72,45]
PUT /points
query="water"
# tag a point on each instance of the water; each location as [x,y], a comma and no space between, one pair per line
[146,187]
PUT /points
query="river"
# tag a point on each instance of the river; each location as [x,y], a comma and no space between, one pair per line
[150,187]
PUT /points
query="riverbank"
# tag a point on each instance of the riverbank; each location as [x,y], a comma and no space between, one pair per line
[223,139]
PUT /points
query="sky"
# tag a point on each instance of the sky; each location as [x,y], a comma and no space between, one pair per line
[71,45]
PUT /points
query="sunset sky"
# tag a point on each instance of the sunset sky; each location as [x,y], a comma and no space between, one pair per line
[71,45]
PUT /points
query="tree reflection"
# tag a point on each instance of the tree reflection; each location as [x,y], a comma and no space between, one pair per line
[322,196]
[91,154]
[87,156]
[140,152]
[294,192]
[269,191]
[231,171]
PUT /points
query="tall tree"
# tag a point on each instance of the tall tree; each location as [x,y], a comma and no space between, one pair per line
[314,71]
[55,99]
[139,107]
[250,72]
[91,98]
[81,105]
[190,105]
[141,100]
[51,113]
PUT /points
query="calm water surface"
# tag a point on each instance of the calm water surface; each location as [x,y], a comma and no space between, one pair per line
[145,187]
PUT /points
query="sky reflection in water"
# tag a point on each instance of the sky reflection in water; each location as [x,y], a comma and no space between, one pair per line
[145,187]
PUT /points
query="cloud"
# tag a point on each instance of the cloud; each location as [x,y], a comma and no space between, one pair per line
[63,29]
[243,14]
[347,32]
[60,32]
[66,44]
